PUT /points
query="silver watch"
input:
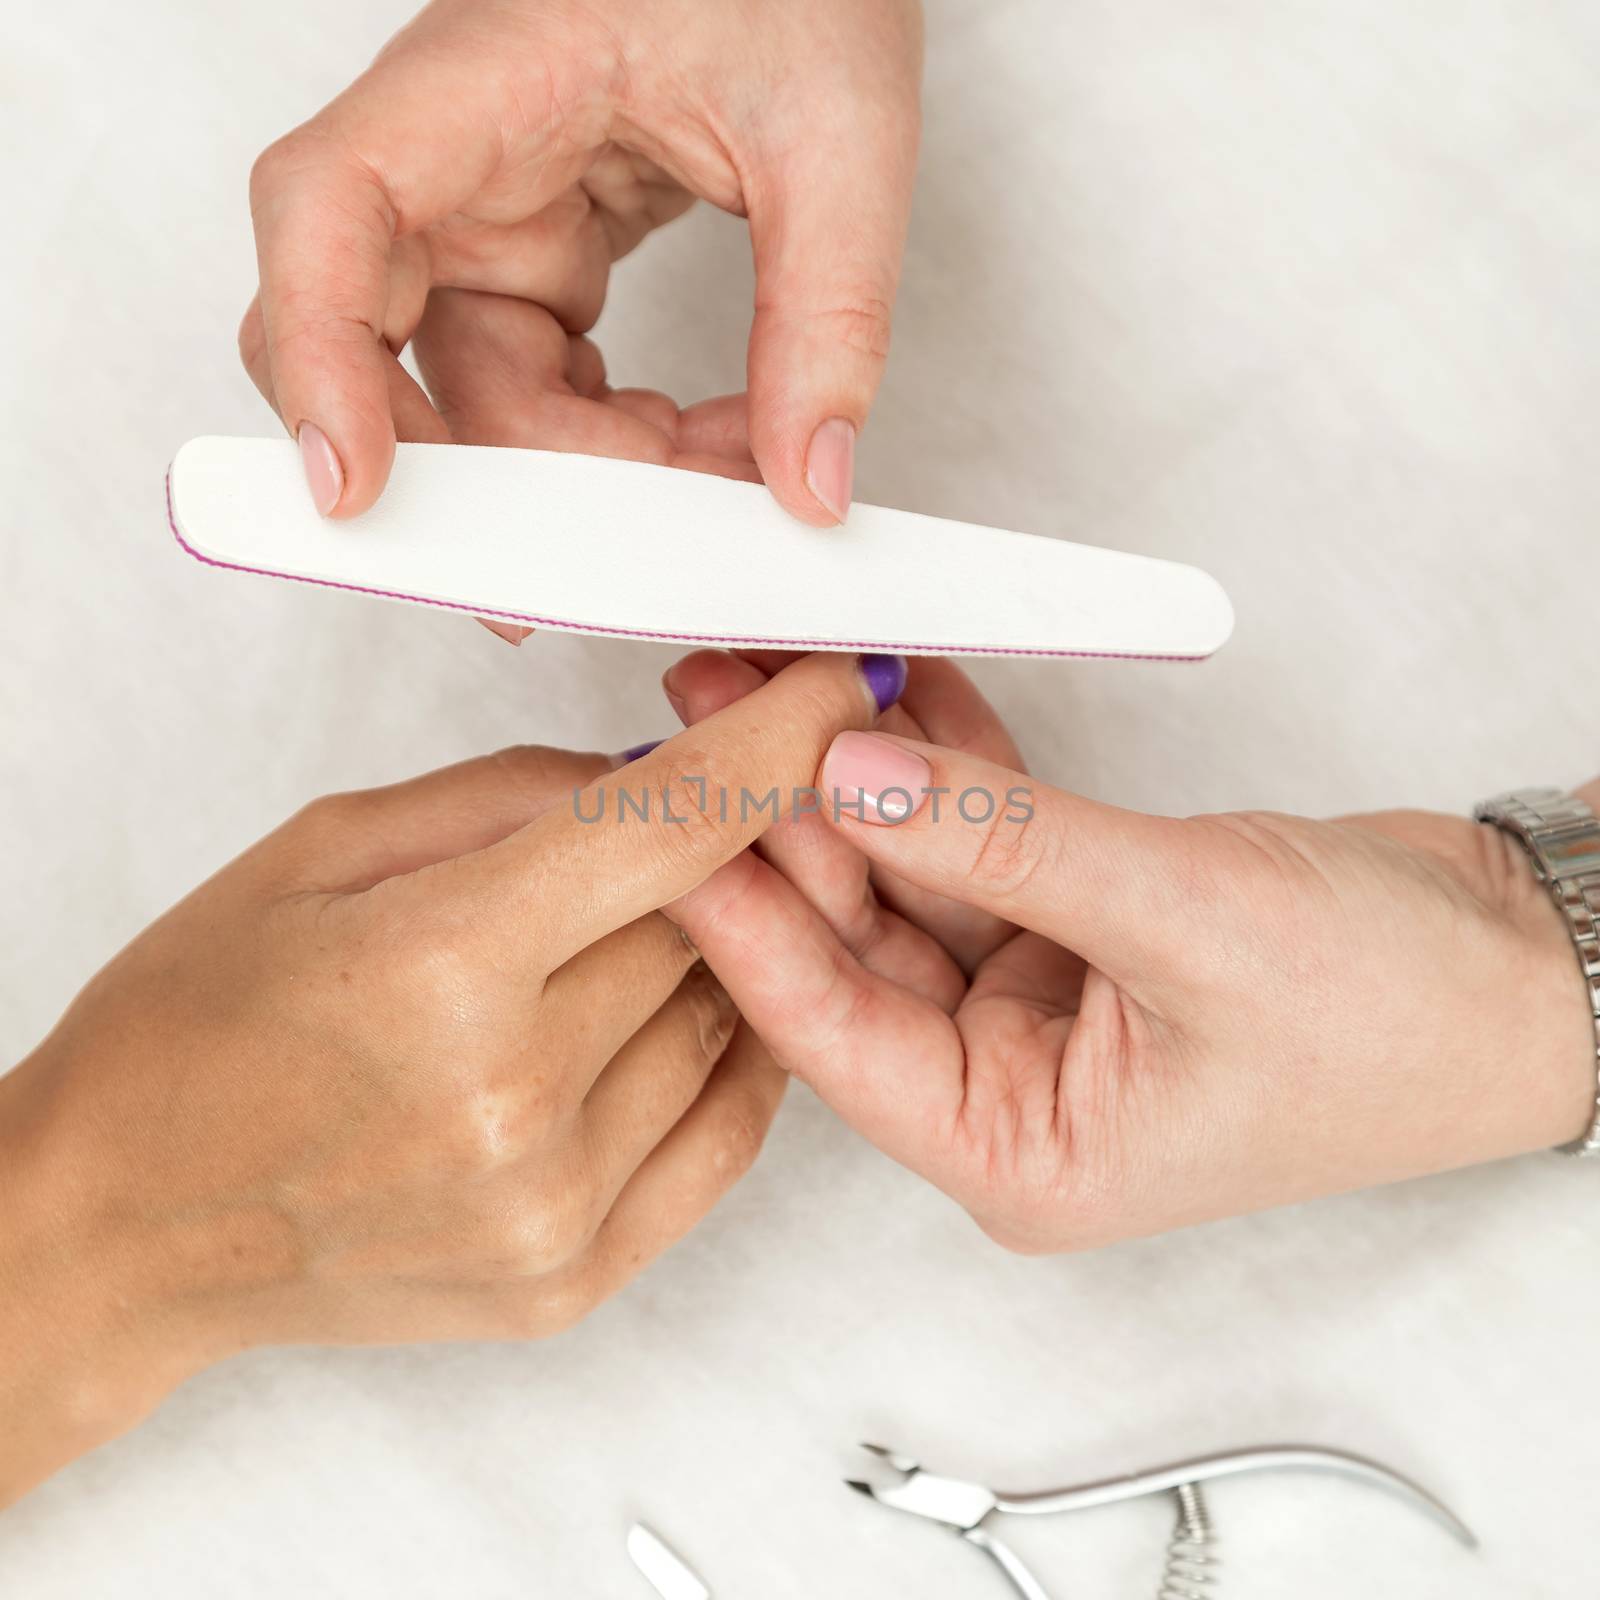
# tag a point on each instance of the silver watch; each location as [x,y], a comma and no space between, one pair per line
[1562,837]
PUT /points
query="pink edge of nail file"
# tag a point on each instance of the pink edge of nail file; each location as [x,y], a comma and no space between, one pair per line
[591,545]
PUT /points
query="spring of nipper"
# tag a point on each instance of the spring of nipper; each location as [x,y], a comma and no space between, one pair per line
[1190,1559]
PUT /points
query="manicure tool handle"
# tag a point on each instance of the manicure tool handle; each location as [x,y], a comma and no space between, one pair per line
[1022,1580]
[1273,1458]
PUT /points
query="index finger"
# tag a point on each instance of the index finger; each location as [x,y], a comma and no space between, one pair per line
[405,145]
[638,839]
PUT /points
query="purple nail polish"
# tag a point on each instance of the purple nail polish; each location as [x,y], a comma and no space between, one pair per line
[637,751]
[886,678]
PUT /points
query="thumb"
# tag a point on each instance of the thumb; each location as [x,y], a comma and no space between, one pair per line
[1114,886]
[827,223]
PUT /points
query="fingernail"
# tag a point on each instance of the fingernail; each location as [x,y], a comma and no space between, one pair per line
[669,687]
[323,472]
[831,465]
[869,777]
[886,678]
[633,755]
[509,631]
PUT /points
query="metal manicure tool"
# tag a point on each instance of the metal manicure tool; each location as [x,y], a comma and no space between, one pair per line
[1191,1568]
[664,1569]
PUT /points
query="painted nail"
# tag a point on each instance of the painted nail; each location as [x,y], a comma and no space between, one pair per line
[511,632]
[324,475]
[885,780]
[886,678]
[831,465]
[638,750]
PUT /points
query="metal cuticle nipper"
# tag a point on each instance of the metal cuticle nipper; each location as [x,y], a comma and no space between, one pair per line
[966,1508]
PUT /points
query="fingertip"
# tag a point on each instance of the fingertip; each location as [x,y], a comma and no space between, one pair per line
[364,466]
[787,485]
[808,465]
[705,681]
[818,484]
[885,676]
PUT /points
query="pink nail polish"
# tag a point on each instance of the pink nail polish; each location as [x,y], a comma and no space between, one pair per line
[511,632]
[831,465]
[324,475]
[874,779]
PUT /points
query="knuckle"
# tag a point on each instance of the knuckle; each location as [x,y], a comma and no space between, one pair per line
[861,324]
[535,770]
[252,339]
[712,1012]
[481,1137]
[741,1127]
[1001,1229]
[859,321]
[1019,1236]
[561,1304]
[1011,852]
[326,828]
[531,761]
[302,320]
[540,1234]
[308,155]
[303,158]
[463,1020]
[1043,1229]
[686,826]
[272,167]
[348,808]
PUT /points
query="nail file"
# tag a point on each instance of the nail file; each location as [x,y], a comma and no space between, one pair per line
[590,545]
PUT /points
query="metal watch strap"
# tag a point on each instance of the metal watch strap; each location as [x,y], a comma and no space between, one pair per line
[1562,837]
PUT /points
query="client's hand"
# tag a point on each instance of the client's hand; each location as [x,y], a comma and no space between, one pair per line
[518,148]
[1197,1018]
[424,1064]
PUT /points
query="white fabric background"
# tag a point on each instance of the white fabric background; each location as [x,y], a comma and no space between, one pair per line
[1303,292]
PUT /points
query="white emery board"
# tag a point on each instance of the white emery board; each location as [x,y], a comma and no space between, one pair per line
[591,545]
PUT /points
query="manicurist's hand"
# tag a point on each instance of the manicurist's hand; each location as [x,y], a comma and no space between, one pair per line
[1185,1019]
[426,1063]
[517,148]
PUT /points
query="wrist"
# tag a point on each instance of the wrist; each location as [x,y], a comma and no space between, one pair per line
[1559,1015]
[1554,1026]
[90,1341]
